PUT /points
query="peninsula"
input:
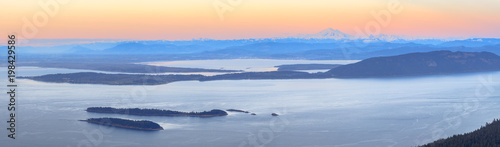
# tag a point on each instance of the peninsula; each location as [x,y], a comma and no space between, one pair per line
[295,67]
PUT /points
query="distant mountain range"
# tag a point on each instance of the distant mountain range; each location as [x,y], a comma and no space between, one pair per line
[335,34]
[329,44]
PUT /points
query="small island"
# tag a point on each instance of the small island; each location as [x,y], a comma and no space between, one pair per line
[237,110]
[155,112]
[125,123]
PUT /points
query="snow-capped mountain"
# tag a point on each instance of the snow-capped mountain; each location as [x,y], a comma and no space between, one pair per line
[325,34]
[338,35]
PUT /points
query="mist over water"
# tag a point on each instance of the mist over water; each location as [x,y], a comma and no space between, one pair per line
[319,112]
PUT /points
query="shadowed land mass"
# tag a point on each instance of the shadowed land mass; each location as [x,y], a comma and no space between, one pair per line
[413,64]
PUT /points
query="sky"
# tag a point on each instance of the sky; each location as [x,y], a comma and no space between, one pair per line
[241,19]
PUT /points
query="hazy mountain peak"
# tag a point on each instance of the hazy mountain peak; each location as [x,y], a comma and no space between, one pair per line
[330,30]
[332,33]
[328,33]
[335,34]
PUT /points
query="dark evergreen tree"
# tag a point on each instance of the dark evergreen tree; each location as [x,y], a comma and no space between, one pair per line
[486,136]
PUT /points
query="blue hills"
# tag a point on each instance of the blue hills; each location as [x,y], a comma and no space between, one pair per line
[326,45]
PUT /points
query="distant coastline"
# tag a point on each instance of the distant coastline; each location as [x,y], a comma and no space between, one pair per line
[413,64]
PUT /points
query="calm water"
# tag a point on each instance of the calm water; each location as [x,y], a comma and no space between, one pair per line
[249,65]
[326,112]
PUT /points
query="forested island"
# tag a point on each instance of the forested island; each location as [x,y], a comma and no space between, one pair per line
[486,136]
[137,79]
[155,112]
[123,67]
[265,75]
[113,79]
[125,123]
[413,64]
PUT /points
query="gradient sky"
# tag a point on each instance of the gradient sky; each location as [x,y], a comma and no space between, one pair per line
[188,19]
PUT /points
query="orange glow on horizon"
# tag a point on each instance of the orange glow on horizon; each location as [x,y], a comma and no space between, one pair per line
[189,19]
